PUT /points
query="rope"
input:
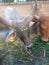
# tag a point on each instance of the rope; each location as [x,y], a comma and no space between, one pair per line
[27,28]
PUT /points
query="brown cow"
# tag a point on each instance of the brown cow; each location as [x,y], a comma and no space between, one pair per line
[42,24]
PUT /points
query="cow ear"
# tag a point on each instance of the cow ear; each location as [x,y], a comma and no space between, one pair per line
[11,36]
[40,5]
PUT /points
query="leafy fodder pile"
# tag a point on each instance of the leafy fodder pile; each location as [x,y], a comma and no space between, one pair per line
[13,52]
[37,44]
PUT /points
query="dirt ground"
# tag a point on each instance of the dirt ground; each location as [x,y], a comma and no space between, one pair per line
[24,9]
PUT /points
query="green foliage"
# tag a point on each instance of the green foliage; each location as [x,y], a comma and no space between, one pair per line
[37,44]
[16,51]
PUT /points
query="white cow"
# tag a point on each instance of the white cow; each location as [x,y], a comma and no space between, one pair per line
[12,19]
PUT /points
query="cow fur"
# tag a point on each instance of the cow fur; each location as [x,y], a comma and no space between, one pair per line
[42,24]
[24,36]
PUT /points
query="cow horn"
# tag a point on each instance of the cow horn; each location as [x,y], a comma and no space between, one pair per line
[35,4]
[36,17]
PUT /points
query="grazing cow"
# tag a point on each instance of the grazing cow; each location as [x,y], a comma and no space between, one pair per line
[43,26]
[21,26]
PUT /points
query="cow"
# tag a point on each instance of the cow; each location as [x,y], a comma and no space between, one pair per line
[42,23]
[12,19]
[15,22]
[20,26]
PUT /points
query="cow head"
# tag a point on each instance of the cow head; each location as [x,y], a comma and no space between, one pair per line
[38,26]
[42,26]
